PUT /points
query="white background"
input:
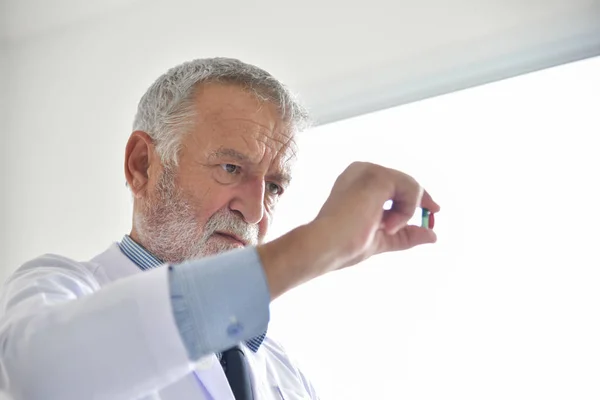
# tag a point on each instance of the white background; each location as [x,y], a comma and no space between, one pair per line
[345,58]
[507,303]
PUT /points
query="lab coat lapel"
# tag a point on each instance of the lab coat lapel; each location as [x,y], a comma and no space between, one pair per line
[208,370]
[115,264]
[211,375]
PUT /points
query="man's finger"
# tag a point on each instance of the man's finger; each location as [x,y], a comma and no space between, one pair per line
[393,221]
[428,203]
[406,238]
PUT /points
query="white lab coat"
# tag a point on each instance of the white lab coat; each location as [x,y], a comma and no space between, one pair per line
[104,329]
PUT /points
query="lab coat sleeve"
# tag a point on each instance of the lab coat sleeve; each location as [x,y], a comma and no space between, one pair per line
[62,336]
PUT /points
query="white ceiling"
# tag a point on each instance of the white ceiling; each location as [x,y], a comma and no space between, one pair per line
[344,58]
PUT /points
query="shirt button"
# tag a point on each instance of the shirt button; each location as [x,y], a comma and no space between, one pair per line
[234,329]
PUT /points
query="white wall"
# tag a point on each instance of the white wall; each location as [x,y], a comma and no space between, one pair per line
[506,305]
[4,211]
[4,78]
[407,49]
[70,119]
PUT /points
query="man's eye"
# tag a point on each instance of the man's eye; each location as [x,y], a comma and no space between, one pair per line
[231,168]
[274,188]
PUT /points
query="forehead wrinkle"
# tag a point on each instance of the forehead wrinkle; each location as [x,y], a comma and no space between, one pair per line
[270,126]
[257,137]
[250,121]
[277,160]
[287,151]
[273,157]
[280,139]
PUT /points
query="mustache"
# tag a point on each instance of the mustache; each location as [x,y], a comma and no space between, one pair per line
[227,222]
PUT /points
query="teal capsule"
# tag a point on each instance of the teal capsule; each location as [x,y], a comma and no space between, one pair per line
[425,218]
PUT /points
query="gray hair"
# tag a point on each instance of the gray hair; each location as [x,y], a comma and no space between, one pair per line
[166,110]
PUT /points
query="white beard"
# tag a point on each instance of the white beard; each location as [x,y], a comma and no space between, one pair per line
[167,227]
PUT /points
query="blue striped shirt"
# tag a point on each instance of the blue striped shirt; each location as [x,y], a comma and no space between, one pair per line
[240,278]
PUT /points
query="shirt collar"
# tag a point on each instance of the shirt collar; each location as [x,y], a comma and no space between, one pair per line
[145,260]
[138,254]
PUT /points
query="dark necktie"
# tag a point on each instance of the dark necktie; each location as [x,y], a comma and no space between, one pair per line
[237,372]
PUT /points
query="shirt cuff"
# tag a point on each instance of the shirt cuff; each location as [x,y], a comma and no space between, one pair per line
[219,301]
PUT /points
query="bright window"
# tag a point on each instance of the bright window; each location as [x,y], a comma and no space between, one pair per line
[507,303]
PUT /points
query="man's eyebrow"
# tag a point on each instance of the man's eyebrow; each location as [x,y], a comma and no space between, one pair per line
[224,152]
[280,177]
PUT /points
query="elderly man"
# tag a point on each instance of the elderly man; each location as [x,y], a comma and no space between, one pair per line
[178,309]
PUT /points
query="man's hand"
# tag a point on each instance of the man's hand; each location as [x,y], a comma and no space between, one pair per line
[351,227]
[354,212]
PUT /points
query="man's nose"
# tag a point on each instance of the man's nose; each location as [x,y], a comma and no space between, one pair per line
[249,201]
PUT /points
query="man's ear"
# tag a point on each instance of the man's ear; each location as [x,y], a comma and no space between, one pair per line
[138,153]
